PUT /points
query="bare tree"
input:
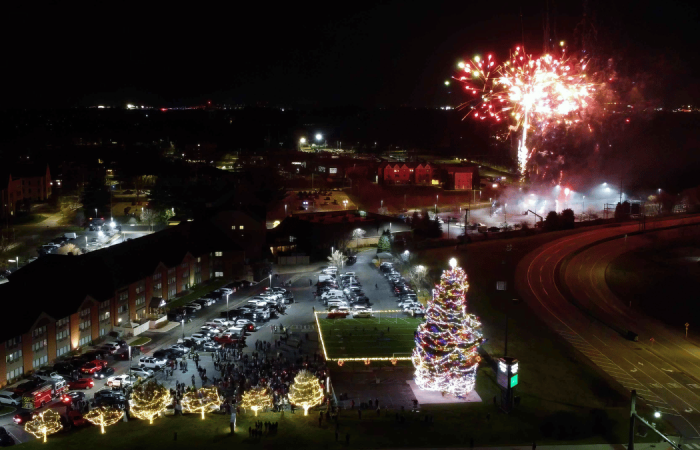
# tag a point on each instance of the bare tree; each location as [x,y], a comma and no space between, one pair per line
[418,274]
[337,259]
[358,234]
[69,249]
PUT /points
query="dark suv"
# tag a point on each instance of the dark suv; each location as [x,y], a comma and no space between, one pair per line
[109,398]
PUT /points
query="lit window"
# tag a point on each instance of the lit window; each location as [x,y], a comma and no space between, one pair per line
[218,253]
[241,227]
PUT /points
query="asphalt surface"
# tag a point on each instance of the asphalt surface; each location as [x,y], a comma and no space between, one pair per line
[664,371]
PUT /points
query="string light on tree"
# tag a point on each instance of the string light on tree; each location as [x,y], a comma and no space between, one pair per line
[306,391]
[256,399]
[446,356]
[45,423]
[104,416]
[148,400]
[202,400]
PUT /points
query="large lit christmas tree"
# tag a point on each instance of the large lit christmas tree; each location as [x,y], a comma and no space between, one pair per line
[446,356]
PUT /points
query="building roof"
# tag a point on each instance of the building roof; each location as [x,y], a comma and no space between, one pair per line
[65,281]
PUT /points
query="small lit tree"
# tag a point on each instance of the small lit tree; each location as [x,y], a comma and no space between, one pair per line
[104,416]
[45,423]
[358,234]
[337,258]
[256,399]
[306,391]
[69,248]
[384,244]
[202,400]
[149,399]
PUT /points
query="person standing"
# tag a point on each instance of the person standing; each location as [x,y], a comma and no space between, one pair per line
[232,422]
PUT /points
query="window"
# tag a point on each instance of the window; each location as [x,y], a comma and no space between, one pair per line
[63,350]
[122,309]
[124,295]
[171,292]
[105,304]
[12,342]
[241,227]
[140,300]
[218,253]
[172,280]
[85,340]
[85,312]
[184,265]
[62,335]
[39,331]
[156,276]
[199,259]
[233,227]
[104,316]
[40,361]
[85,325]
[39,345]
[171,271]
[14,356]
[103,331]
[218,274]
[63,322]
[140,289]
[186,274]
[12,375]
[157,286]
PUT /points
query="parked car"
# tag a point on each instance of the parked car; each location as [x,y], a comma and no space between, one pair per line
[119,381]
[180,348]
[166,354]
[211,347]
[23,417]
[362,314]
[75,418]
[10,398]
[81,383]
[351,260]
[109,398]
[152,363]
[72,396]
[5,439]
[93,366]
[47,374]
[195,306]
[140,372]
[103,373]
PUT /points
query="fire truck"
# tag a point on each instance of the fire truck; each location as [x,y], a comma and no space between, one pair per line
[43,394]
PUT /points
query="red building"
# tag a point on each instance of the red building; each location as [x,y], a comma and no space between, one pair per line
[408,173]
[462,178]
[23,182]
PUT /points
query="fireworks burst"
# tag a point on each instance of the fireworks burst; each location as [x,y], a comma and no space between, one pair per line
[531,93]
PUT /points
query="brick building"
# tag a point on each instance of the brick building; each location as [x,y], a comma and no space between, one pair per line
[462,178]
[408,173]
[23,182]
[85,297]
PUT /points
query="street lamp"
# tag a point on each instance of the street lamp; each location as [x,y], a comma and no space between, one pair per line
[183,328]
[16,260]
[381,205]
[319,136]
[227,306]
[345,204]
[95,213]
[285,209]
[270,280]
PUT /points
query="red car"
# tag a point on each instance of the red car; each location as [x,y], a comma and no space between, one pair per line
[227,339]
[76,419]
[337,315]
[82,383]
[93,366]
[23,417]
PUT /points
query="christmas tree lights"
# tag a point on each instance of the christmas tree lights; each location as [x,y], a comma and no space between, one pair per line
[148,400]
[256,399]
[446,356]
[306,391]
[202,400]
[45,423]
[104,416]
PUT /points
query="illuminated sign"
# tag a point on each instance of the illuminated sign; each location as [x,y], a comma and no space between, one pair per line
[333,170]
[514,380]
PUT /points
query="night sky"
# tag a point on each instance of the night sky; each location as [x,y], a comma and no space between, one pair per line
[385,53]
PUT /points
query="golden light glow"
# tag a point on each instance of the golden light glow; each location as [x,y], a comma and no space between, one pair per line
[256,399]
[149,399]
[306,391]
[45,423]
[104,416]
[202,400]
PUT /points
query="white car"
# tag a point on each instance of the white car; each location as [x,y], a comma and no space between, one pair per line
[151,362]
[221,322]
[225,291]
[180,347]
[195,306]
[235,330]
[140,372]
[362,314]
[48,375]
[209,330]
[408,304]
[10,398]
[120,380]
[332,293]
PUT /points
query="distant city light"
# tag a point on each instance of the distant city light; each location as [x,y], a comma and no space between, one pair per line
[319,136]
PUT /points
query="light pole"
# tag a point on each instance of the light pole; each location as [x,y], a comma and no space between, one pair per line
[227,307]
[130,360]
[95,213]
[584,206]
[505,214]
[270,280]
[381,204]
[490,207]
[285,209]
[183,328]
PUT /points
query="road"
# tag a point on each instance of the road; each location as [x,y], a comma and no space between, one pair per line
[665,372]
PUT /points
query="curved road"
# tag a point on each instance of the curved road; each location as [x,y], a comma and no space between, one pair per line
[564,283]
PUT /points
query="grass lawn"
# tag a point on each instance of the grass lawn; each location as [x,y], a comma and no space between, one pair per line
[380,336]
[453,426]
[198,292]
[30,219]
